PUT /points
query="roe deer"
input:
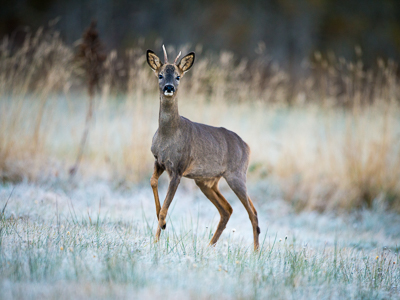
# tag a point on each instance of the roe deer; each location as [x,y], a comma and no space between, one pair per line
[197,151]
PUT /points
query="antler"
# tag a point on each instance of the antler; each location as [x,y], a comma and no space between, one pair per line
[176,59]
[165,55]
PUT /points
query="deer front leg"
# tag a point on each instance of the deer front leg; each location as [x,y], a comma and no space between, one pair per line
[173,185]
[158,170]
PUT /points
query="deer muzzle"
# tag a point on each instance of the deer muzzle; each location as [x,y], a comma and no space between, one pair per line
[169,90]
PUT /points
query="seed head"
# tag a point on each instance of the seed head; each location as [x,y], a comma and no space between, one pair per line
[358,50]
[61,248]
[318,56]
[91,56]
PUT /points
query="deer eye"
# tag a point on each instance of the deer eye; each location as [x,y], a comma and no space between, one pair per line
[178,77]
[160,76]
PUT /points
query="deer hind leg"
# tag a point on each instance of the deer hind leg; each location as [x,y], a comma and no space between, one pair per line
[158,170]
[173,186]
[252,206]
[238,185]
[210,190]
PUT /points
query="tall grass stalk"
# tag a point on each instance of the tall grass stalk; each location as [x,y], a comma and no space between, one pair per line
[91,59]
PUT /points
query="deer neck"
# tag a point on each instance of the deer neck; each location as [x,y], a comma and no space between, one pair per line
[168,119]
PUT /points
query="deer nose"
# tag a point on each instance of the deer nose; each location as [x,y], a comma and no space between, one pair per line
[169,88]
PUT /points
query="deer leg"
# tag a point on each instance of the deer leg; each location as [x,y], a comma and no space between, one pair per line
[252,206]
[173,185]
[224,208]
[238,185]
[158,170]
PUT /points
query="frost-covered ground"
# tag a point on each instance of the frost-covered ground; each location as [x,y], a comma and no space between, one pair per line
[92,240]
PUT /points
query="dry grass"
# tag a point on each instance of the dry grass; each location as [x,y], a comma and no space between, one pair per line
[331,140]
[341,159]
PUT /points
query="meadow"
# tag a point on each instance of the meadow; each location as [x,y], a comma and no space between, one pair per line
[324,176]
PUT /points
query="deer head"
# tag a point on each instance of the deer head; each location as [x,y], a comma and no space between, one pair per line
[168,74]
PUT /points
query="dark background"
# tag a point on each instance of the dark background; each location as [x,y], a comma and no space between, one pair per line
[289,30]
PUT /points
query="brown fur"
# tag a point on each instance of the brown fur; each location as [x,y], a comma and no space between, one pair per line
[197,151]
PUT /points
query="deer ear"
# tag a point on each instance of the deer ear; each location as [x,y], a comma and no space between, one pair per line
[186,62]
[153,60]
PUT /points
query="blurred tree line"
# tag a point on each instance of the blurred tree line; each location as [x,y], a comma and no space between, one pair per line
[289,31]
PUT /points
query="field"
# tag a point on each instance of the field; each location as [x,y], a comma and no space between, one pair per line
[324,177]
[94,242]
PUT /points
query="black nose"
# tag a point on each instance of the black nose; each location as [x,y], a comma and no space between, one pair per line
[169,88]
